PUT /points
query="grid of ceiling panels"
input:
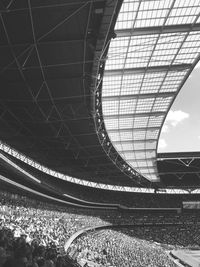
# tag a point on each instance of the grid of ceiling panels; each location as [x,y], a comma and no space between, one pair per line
[143,73]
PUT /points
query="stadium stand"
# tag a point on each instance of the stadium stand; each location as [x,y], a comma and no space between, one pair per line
[138,245]
[28,225]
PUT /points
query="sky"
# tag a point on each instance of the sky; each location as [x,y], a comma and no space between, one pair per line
[181,129]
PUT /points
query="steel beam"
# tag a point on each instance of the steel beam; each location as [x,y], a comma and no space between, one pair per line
[52,65]
[141,160]
[131,71]
[179,155]
[136,150]
[47,6]
[158,30]
[46,43]
[183,173]
[134,141]
[68,100]
[132,129]
[140,96]
[135,115]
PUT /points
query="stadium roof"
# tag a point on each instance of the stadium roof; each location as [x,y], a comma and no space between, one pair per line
[58,116]
[47,54]
[157,45]
[180,174]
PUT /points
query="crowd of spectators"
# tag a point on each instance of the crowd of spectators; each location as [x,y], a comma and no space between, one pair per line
[33,233]
[114,248]
[139,246]
[174,236]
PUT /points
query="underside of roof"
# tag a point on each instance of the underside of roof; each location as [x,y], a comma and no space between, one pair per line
[47,53]
[179,172]
[157,44]
[85,91]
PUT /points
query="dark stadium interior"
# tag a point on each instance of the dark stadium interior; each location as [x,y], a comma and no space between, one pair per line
[46,109]
[179,169]
[53,56]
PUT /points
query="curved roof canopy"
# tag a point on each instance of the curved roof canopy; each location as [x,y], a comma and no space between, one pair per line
[52,58]
[156,47]
[47,53]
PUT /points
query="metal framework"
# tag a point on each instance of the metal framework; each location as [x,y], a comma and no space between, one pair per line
[47,52]
[36,45]
[183,159]
[64,177]
[156,47]
[45,102]
[179,169]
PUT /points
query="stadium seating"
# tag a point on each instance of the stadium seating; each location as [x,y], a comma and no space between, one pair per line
[35,232]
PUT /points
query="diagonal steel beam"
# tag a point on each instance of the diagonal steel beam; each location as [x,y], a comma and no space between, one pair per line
[37,7]
[63,21]
[43,71]
[9,4]
[28,49]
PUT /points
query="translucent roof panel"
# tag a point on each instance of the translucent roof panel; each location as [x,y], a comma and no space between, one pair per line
[156,46]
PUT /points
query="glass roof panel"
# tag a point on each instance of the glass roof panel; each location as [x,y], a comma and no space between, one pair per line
[146,64]
[126,146]
[143,164]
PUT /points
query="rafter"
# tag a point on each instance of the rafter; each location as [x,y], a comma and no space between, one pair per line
[73,137]
[141,141]
[135,129]
[175,67]
[53,65]
[37,7]
[135,115]
[123,152]
[158,30]
[140,96]
[47,43]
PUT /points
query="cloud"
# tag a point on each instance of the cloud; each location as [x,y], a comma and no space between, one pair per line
[162,144]
[175,117]
[165,128]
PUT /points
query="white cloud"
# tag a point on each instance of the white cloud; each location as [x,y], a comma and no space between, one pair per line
[175,117]
[165,128]
[162,144]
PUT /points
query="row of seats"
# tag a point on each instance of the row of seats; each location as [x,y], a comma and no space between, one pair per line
[139,246]
[35,231]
